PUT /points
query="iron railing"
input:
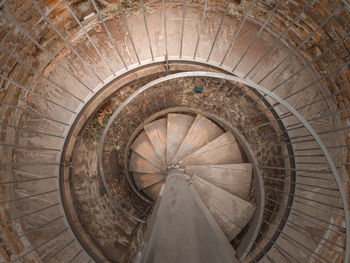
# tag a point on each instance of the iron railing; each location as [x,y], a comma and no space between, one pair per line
[318,156]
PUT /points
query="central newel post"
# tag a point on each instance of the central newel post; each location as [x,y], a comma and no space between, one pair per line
[182,229]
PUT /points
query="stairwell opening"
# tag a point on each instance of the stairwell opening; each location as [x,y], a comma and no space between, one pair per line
[81,79]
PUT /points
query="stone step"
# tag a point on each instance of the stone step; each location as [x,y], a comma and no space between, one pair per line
[233,178]
[141,165]
[157,134]
[230,212]
[145,180]
[143,146]
[201,132]
[153,190]
[222,150]
[178,126]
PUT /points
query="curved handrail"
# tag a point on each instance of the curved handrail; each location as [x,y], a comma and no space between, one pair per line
[258,88]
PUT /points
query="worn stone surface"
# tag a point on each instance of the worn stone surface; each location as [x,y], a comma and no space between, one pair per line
[110,230]
[230,212]
[201,132]
[157,134]
[233,178]
[143,146]
[177,128]
[222,150]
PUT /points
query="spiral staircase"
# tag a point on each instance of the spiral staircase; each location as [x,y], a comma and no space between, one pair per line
[174,131]
[212,159]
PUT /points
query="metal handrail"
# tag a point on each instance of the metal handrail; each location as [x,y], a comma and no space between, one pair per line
[259,88]
[164,60]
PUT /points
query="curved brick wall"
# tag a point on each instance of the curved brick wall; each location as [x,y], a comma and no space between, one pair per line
[334,32]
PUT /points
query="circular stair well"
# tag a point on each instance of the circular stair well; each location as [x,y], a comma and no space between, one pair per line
[174,131]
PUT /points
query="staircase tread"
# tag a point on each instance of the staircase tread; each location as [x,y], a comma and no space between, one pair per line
[231,212]
[222,150]
[143,180]
[141,165]
[143,146]
[201,132]
[177,127]
[233,178]
[157,134]
[153,190]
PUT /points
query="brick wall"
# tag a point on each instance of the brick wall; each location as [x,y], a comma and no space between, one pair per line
[29,18]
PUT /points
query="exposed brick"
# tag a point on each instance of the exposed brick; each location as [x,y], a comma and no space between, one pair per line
[302,33]
[299,2]
[294,8]
[5,254]
[320,9]
[327,4]
[305,26]
[23,12]
[8,234]
[347,43]
[313,15]
[294,38]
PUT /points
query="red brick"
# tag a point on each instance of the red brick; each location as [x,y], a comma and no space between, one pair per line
[305,26]
[302,33]
[294,8]
[327,4]
[293,37]
[4,254]
[347,43]
[320,9]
